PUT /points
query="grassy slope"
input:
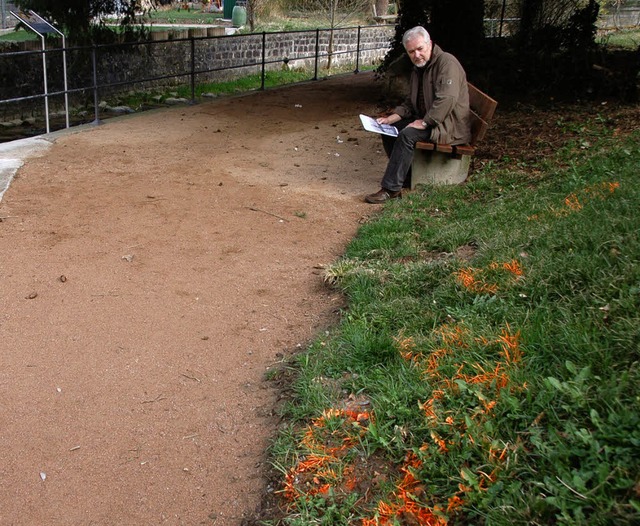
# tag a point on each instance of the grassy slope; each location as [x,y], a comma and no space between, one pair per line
[486,370]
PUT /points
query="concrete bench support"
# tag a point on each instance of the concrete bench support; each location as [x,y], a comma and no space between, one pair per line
[446,163]
[431,167]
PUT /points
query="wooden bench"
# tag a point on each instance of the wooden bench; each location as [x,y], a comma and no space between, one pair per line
[448,164]
[384,19]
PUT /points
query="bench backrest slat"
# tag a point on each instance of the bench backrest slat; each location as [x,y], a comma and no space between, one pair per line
[482,109]
[479,128]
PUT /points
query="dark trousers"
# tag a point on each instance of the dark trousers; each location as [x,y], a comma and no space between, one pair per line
[400,152]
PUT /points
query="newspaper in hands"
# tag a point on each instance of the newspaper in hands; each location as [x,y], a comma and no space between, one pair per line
[374,126]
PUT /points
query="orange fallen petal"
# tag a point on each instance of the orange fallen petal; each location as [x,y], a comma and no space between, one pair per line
[454,503]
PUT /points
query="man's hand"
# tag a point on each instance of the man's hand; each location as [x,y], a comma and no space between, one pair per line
[417,124]
[390,119]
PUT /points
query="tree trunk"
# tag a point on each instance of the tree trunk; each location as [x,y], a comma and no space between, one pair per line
[458,27]
[382,6]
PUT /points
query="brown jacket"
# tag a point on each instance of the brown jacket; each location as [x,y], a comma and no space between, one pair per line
[446,98]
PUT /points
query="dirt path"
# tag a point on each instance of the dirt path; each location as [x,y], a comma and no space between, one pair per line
[152,270]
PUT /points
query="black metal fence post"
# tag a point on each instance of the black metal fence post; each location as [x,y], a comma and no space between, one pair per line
[264,55]
[315,69]
[193,69]
[504,7]
[357,70]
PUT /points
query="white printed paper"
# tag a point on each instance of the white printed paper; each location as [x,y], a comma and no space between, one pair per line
[373,126]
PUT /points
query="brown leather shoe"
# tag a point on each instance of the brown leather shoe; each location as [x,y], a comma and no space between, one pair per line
[382,195]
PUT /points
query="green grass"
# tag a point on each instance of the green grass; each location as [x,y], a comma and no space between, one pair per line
[310,21]
[19,36]
[626,39]
[181,16]
[500,389]
[138,100]
[251,82]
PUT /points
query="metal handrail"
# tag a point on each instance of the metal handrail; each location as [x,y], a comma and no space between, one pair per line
[192,71]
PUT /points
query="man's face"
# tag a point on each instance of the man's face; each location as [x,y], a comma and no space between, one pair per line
[419,51]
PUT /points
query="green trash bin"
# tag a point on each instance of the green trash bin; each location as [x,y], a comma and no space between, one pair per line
[227,8]
[239,15]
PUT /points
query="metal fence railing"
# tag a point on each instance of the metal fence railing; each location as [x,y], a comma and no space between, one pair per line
[98,71]
[502,17]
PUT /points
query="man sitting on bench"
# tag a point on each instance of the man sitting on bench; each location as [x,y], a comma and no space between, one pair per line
[436,110]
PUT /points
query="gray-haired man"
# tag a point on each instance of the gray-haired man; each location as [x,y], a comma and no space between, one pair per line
[436,110]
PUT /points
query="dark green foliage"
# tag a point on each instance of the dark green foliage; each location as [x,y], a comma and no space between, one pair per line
[458,26]
[76,18]
[553,51]
[557,52]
